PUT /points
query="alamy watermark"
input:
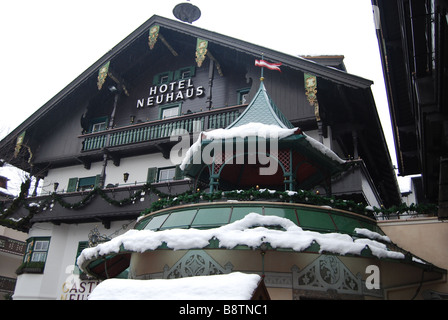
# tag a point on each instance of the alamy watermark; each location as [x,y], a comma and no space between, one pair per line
[373,278]
[260,147]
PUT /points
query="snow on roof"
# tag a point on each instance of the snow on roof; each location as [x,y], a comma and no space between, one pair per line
[6,192]
[233,286]
[322,148]
[250,231]
[252,129]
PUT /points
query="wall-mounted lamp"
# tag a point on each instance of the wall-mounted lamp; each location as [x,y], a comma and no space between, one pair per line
[132,119]
[125,177]
[55,186]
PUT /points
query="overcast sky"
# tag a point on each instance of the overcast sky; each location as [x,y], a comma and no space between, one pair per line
[47,43]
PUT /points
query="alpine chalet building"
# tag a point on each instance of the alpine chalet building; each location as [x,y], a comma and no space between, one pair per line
[107,151]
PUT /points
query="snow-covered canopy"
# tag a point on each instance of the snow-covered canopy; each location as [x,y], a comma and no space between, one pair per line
[250,231]
[253,129]
[233,286]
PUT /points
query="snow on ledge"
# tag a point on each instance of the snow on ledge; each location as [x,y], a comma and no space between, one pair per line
[372,235]
[233,286]
[250,231]
[253,129]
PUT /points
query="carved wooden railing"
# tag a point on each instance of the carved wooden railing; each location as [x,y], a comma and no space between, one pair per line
[196,122]
[12,246]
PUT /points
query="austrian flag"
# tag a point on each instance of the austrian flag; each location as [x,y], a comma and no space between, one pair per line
[269,65]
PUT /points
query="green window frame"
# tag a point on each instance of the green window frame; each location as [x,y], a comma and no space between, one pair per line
[82,184]
[36,250]
[98,124]
[163,78]
[185,73]
[176,107]
[153,175]
[166,174]
[242,96]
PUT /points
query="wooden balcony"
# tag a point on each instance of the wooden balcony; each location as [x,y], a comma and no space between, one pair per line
[7,285]
[154,130]
[12,246]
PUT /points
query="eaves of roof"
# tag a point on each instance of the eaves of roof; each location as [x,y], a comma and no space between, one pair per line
[294,62]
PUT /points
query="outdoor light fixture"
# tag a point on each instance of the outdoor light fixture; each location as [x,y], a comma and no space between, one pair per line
[132,119]
[55,186]
[186,12]
[125,177]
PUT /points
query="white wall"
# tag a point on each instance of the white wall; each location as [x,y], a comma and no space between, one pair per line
[56,281]
[137,167]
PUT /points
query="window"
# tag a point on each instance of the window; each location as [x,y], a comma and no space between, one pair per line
[164,77]
[185,73]
[164,174]
[167,174]
[99,127]
[98,124]
[82,184]
[36,250]
[169,111]
[243,96]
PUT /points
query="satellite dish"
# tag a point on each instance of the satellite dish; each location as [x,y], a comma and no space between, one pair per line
[187,12]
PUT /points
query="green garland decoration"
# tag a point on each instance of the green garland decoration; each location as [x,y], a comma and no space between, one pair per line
[168,200]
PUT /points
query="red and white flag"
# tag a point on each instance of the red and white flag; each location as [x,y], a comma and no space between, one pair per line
[269,65]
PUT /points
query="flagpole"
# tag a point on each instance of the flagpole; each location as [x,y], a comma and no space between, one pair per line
[262,68]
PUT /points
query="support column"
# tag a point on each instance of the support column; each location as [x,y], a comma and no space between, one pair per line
[355,144]
[103,172]
[211,74]
[443,189]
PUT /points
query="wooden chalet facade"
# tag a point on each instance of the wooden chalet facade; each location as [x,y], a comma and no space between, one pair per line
[413,41]
[102,146]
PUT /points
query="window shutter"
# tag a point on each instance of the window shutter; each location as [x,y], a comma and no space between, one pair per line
[179,175]
[97,180]
[72,184]
[81,246]
[152,175]
[177,75]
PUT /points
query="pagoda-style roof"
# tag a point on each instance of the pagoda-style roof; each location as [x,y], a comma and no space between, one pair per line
[262,110]
[304,162]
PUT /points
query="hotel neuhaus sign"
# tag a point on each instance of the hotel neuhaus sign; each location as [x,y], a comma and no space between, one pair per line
[170,93]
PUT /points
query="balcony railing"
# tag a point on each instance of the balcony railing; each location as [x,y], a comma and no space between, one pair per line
[7,284]
[12,246]
[197,122]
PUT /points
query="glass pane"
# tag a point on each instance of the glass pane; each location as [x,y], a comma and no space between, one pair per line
[86,182]
[167,174]
[99,127]
[287,213]
[315,220]
[346,224]
[212,216]
[41,246]
[186,74]
[156,222]
[170,112]
[179,219]
[239,213]
[38,257]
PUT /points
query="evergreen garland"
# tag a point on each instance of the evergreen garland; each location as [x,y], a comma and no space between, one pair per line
[167,200]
